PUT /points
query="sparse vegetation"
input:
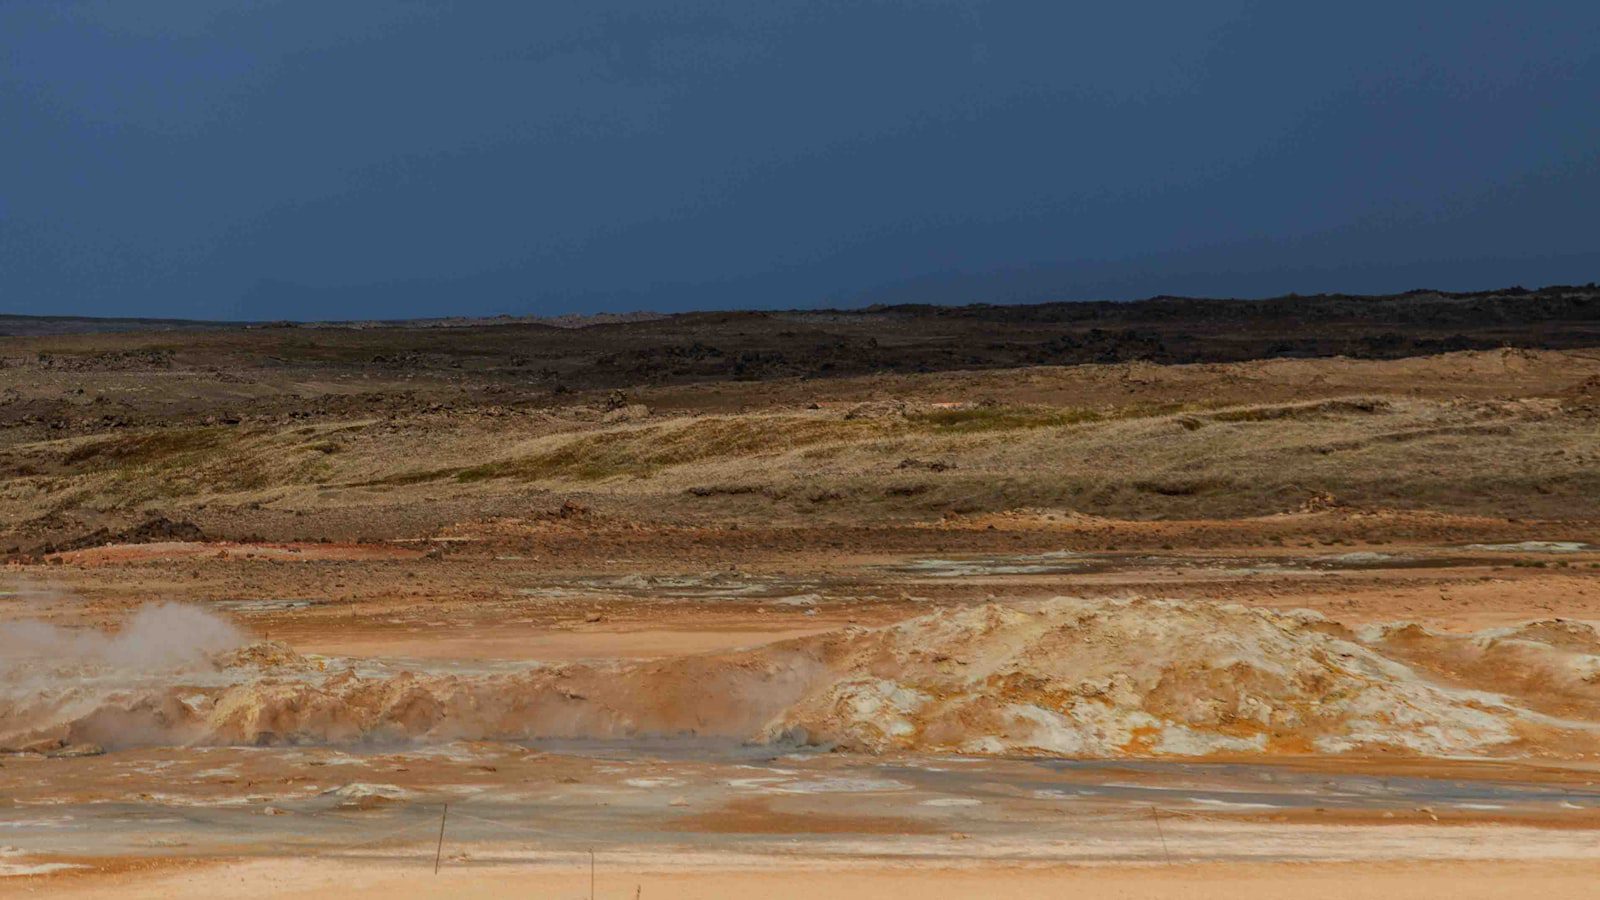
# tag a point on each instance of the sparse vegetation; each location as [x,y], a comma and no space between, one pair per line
[166,446]
[1322,409]
[644,451]
[974,419]
[980,418]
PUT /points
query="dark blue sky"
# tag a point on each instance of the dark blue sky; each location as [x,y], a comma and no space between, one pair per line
[341,158]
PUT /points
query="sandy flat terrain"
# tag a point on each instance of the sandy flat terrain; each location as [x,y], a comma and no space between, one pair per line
[299,878]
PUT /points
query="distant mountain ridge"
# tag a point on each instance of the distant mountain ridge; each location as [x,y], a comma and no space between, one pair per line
[1317,306]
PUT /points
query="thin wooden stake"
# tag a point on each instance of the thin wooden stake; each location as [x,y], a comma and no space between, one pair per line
[591,873]
[439,851]
[1159,833]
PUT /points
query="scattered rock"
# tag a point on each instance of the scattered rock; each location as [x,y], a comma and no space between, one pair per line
[361,795]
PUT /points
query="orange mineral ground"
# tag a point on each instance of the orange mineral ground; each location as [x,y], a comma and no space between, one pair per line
[274,617]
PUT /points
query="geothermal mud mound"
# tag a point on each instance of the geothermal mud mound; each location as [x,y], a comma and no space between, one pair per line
[1142,677]
[1092,678]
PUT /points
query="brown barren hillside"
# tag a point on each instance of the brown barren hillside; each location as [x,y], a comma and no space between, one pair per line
[1467,403]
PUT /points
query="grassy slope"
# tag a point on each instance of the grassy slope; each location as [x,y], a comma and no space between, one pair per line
[1534,458]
